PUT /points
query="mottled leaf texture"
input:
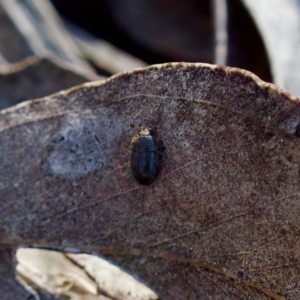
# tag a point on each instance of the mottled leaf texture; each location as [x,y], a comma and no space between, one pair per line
[222,219]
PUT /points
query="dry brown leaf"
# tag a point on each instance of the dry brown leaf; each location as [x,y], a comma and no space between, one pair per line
[221,221]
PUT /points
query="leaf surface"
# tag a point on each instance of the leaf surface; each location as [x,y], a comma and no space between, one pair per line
[220,222]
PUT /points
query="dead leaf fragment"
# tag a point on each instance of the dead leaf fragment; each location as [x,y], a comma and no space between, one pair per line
[53,272]
[229,180]
[112,279]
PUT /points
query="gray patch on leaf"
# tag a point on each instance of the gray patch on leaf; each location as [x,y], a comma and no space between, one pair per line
[290,125]
[81,145]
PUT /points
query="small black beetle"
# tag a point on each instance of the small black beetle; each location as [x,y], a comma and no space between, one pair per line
[145,157]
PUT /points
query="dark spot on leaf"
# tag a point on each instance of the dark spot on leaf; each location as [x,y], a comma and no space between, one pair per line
[297,133]
[242,274]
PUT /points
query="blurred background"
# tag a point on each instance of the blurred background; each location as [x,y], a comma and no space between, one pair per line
[166,31]
[47,46]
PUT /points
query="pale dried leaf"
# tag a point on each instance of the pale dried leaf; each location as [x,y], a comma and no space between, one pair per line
[112,279]
[103,54]
[52,271]
[39,23]
[279,22]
